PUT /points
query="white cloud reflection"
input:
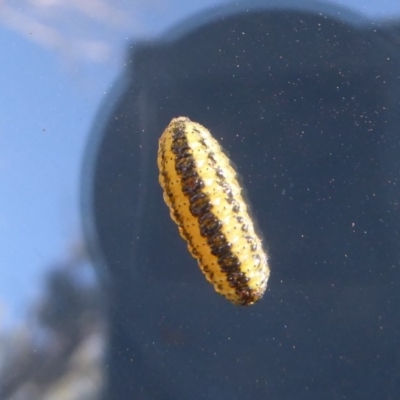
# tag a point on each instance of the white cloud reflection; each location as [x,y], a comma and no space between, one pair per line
[87,30]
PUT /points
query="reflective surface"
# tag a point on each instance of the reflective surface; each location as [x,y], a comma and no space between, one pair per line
[99,296]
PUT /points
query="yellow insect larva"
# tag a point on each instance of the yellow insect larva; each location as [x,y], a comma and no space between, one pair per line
[204,198]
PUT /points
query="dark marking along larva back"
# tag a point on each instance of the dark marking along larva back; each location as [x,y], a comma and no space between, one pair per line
[204,198]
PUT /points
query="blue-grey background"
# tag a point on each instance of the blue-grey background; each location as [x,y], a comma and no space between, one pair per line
[55,74]
[60,63]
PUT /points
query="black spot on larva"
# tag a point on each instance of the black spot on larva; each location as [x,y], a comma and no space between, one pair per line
[192,184]
[179,132]
[225,186]
[192,249]
[217,240]
[246,295]
[180,146]
[229,263]
[183,153]
[209,224]
[184,164]
[230,195]
[251,241]
[189,172]
[211,156]
[257,260]
[220,173]
[202,141]
[199,204]
[227,190]
[221,250]
[237,279]
[219,246]
[235,206]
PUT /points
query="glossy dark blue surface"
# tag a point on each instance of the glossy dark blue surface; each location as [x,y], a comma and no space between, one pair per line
[100,297]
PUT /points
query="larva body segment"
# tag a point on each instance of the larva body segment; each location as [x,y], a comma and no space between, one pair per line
[204,198]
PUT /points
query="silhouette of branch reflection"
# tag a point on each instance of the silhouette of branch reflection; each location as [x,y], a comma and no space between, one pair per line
[60,348]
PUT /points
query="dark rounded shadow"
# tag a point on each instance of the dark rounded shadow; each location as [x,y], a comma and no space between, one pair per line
[305,101]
